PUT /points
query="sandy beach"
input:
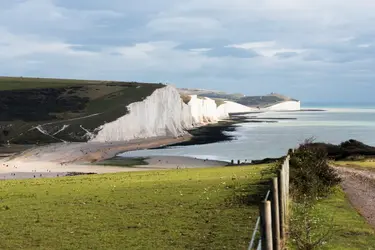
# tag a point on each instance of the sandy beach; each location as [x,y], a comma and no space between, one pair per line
[89,152]
[62,159]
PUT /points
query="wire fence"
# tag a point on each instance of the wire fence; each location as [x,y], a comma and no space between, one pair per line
[271,223]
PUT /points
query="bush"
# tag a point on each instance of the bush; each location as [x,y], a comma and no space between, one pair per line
[307,230]
[310,175]
[347,150]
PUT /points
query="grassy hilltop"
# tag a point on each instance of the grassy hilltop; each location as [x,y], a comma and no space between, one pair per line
[54,103]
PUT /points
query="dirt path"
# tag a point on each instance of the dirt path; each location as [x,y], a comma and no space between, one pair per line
[359,185]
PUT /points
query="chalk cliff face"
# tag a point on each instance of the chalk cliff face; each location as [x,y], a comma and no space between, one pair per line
[228,107]
[286,106]
[164,114]
[203,110]
[161,114]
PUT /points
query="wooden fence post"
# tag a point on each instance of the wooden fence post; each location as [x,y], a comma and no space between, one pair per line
[275,215]
[286,184]
[266,225]
[281,203]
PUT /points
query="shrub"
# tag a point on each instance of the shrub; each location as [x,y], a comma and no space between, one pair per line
[307,230]
[310,175]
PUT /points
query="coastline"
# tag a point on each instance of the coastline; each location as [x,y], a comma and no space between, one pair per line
[67,159]
[61,159]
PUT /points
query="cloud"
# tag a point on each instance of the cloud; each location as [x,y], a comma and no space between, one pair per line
[364,45]
[286,54]
[184,25]
[248,46]
[16,46]
[254,45]
[267,48]
[231,52]
[200,50]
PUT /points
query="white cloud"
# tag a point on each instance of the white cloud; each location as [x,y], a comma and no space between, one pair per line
[200,50]
[13,46]
[346,39]
[214,43]
[143,51]
[45,17]
[184,24]
[266,48]
[365,45]
[253,45]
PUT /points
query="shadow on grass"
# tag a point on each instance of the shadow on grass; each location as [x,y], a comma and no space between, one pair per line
[249,195]
[123,162]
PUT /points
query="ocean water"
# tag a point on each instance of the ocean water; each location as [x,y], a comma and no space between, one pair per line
[260,140]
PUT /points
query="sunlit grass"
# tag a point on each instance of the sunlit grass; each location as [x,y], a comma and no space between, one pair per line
[350,230]
[213,208]
[369,165]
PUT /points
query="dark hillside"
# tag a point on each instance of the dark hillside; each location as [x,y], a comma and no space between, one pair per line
[53,110]
[348,150]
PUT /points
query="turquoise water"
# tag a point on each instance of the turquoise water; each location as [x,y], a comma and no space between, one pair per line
[261,140]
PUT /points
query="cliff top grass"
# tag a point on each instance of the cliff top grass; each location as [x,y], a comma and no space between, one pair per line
[28,102]
[349,228]
[366,165]
[253,101]
[14,83]
[339,221]
[213,208]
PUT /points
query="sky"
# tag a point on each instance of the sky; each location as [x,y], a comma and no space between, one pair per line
[321,50]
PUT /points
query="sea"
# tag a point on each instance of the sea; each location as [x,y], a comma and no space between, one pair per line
[253,141]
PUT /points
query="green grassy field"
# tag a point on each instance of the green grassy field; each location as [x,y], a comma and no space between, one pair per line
[213,208]
[349,230]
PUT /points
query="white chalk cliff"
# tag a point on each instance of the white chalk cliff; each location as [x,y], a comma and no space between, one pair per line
[228,107]
[165,114]
[286,106]
[203,110]
[161,114]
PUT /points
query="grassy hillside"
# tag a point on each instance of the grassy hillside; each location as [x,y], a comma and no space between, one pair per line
[62,106]
[213,208]
[263,101]
[210,94]
[251,101]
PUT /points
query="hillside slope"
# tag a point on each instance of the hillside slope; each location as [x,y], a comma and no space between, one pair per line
[264,101]
[42,111]
[53,110]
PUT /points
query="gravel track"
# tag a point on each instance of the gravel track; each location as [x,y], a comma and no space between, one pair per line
[359,185]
